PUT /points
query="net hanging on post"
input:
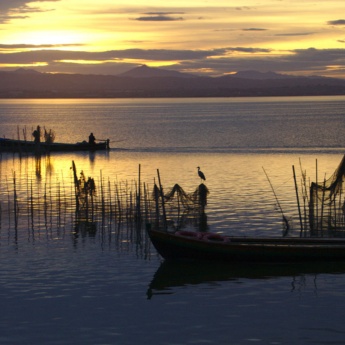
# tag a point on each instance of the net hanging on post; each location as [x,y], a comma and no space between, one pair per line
[327,205]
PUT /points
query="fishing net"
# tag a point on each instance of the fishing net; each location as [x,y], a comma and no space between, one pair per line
[197,199]
[180,209]
[327,205]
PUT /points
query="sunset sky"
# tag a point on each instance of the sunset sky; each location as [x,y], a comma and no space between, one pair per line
[204,37]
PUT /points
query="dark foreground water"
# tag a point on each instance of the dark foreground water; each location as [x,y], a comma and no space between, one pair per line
[62,284]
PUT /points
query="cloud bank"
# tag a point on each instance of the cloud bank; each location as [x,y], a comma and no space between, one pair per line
[18,9]
[213,62]
[206,40]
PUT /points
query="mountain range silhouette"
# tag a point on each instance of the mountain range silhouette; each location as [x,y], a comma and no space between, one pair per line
[146,81]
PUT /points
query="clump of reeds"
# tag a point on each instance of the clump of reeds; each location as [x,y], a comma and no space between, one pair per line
[90,204]
[49,136]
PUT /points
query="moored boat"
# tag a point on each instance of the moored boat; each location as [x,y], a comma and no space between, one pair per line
[13,145]
[322,231]
[208,246]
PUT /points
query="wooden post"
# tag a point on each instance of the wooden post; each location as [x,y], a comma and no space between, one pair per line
[76,186]
[156,193]
[323,203]
[317,198]
[139,197]
[298,204]
[162,197]
[15,202]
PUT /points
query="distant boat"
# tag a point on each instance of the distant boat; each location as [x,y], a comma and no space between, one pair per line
[208,246]
[13,145]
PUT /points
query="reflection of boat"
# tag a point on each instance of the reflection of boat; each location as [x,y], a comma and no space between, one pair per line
[179,273]
[13,145]
[207,246]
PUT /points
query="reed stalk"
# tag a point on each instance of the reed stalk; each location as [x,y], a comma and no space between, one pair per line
[31,206]
[298,203]
[53,204]
[9,202]
[323,203]
[162,200]
[15,201]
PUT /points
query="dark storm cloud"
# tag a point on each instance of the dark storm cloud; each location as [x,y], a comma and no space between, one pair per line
[50,56]
[161,13]
[36,46]
[5,18]
[308,61]
[321,56]
[242,8]
[158,18]
[106,68]
[18,9]
[118,55]
[254,29]
[295,34]
[7,5]
[19,6]
[336,22]
[249,50]
[216,61]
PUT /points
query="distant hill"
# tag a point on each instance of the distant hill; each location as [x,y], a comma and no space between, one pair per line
[149,72]
[25,71]
[261,75]
[146,81]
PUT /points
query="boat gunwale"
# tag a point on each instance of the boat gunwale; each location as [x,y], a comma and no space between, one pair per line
[171,246]
[246,240]
[18,145]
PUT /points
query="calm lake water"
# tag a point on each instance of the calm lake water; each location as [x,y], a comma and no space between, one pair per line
[111,287]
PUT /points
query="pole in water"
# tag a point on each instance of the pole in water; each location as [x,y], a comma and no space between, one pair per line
[298,204]
[278,204]
[162,199]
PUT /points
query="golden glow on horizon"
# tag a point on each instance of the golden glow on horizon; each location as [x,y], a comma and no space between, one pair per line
[335,67]
[150,63]
[22,65]
[55,37]
[260,30]
[82,62]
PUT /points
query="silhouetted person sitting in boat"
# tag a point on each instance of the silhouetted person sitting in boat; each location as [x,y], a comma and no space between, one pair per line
[37,135]
[92,139]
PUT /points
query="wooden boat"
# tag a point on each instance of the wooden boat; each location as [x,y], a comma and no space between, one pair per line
[208,246]
[13,145]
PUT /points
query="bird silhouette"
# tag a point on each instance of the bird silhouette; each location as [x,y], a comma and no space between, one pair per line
[201,174]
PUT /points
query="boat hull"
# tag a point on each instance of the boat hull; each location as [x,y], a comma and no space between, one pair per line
[9,145]
[235,249]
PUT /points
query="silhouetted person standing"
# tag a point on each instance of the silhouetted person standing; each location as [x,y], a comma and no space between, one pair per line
[37,135]
[92,139]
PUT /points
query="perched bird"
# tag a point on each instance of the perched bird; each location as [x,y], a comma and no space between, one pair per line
[201,174]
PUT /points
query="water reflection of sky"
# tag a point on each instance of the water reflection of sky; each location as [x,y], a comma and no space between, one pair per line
[89,283]
[240,200]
